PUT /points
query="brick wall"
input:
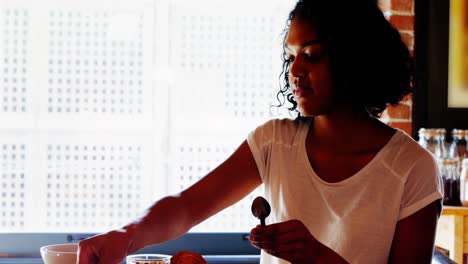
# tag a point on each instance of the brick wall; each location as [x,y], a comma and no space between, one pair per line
[401,14]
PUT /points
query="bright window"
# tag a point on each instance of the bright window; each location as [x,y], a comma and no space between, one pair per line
[106,106]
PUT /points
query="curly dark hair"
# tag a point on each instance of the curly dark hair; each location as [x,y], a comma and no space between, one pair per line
[371,65]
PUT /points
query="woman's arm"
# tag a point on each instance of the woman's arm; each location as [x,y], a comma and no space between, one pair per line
[414,237]
[174,215]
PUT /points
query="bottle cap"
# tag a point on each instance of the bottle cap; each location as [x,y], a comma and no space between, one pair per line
[441,131]
[431,131]
[457,132]
[448,162]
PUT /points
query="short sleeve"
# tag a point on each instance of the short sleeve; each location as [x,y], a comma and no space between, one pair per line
[260,143]
[422,186]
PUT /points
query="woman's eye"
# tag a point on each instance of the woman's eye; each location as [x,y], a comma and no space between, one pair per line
[312,57]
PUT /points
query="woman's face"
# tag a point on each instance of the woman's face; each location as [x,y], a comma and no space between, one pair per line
[309,69]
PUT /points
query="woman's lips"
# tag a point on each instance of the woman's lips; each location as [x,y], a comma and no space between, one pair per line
[299,92]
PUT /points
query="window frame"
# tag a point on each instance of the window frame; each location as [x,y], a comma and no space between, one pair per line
[19,247]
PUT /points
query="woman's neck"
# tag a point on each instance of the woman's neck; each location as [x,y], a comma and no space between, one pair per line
[348,130]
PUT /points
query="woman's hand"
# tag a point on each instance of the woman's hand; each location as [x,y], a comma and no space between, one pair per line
[292,241]
[289,240]
[108,248]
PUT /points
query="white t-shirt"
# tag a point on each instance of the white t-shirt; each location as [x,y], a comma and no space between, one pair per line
[357,216]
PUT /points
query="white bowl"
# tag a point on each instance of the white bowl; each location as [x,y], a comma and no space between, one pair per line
[59,253]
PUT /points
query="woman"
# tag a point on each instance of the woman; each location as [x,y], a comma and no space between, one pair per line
[343,186]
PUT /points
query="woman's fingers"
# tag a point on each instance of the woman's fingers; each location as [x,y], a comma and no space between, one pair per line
[281,247]
[109,248]
[279,228]
[290,240]
[86,254]
[285,232]
[292,256]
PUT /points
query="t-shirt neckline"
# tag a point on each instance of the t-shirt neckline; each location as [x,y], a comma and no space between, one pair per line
[302,142]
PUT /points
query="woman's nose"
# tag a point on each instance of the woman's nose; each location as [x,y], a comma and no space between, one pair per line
[295,69]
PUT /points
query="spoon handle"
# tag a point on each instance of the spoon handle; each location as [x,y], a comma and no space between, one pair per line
[262,222]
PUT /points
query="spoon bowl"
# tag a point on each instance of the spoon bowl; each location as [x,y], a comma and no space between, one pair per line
[261,209]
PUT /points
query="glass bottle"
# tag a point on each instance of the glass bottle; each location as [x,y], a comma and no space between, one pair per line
[458,147]
[463,146]
[464,183]
[428,139]
[446,181]
[441,149]
[423,136]
[465,140]
[451,180]
[465,137]
[455,182]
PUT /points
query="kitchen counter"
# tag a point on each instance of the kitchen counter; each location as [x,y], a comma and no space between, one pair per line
[452,232]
